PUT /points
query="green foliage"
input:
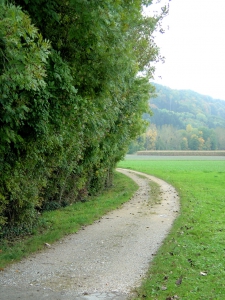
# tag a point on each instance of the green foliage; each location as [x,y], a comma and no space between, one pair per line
[176,110]
[72,99]
[168,137]
[182,107]
[23,57]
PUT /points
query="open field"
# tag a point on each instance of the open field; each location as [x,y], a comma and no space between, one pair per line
[190,264]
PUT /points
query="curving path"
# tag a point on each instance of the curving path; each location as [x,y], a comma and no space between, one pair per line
[106,260]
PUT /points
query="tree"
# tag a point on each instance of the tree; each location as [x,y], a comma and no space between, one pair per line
[168,138]
[73,98]
[194,142]
[220,134]
[184,144]
[150,138]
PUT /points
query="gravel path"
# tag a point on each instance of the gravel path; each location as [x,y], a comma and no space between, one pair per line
[105,260]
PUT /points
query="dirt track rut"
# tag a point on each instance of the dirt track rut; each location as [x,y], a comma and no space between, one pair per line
[106,260]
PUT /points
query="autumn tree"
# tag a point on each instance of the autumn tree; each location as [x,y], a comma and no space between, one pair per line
[184,144]
[150,138]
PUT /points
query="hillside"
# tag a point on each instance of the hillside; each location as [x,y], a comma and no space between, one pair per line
[182,120]
[182,107]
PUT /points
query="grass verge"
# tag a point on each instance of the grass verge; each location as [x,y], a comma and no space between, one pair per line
[190,263]
[68,220]
[154,194]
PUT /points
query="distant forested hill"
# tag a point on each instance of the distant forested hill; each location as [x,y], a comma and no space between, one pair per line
[183,120]
[182,107]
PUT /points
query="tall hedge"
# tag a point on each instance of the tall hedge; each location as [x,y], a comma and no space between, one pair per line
[73,88]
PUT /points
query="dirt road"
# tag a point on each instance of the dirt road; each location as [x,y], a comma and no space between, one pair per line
[106,260]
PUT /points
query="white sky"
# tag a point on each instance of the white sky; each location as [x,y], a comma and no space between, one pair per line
[194,47]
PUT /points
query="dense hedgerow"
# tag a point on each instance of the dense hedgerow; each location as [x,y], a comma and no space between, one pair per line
[71,100]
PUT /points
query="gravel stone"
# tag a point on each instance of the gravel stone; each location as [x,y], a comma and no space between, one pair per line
[105,260]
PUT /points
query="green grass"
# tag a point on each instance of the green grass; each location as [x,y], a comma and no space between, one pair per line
[68,220]
[197,240]
[196,243]
[154,193]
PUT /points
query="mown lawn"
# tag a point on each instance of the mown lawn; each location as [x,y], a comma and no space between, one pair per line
[191,262]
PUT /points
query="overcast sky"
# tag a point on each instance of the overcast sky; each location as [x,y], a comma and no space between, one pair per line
[194,47]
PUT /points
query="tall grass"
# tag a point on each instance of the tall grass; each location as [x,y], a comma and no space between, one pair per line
[190,264]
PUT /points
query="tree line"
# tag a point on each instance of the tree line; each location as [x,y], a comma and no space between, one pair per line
[168,137]
[182,120]
[74,83]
